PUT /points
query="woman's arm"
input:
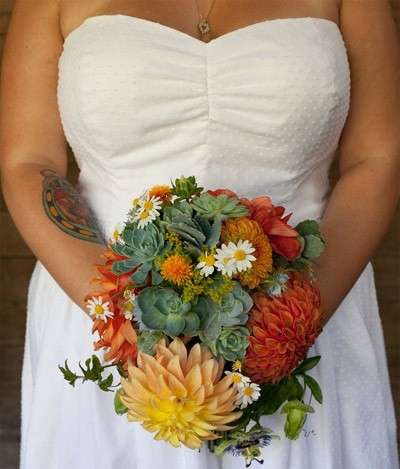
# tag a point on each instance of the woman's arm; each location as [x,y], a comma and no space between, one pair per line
[51,215]
[364,199]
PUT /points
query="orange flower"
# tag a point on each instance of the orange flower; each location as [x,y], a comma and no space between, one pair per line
[117,334]
[182,396]
[283,238]
[243,228]
[109,282]
[162,191]
[176,269]
[282,330]
[227,192]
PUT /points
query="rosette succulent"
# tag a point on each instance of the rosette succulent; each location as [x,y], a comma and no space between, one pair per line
[218,207]
[141,246]
[194,229]
[185,187]
[161,308]
[232,310]
[231,344]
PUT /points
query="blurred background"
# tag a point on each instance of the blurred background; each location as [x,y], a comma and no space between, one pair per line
[17,262]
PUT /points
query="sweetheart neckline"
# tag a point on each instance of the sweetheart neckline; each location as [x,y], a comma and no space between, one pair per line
[189,37]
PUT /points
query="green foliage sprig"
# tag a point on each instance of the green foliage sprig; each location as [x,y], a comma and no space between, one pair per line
[92,371]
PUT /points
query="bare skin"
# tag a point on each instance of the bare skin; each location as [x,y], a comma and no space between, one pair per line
[360,207]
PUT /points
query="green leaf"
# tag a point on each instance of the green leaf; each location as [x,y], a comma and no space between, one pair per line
[292,389]
[140,275]
[121,267]
[68,374]
[156,278]
[308,227]
[314,387]
[270,400]
[104,384]
[119,407]
[215,233]
[314,246]
[306,365]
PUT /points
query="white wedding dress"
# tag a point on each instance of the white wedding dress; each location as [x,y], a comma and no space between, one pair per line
[259,110]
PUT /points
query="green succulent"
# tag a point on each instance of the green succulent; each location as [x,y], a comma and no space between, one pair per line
[147,340]
[275,283]
[141,246]
[313,243]
[296,416]
[161,309]
[194,229]
[232,310]
[231,344]
[185,187]
[218,207]
[178,207]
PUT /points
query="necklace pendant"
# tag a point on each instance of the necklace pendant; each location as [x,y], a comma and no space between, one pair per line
[204,27]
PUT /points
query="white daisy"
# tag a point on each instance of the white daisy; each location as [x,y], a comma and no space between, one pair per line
[248,393]
[147,211]
[237,365]
[129,305]
[98,309]
[117,233]
[224,260]
[206,264]
[238,379]
[241,253]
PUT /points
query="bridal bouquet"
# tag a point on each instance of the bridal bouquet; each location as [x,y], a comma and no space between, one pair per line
[206,306]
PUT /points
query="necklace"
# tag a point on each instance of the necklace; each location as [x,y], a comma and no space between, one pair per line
[203,25]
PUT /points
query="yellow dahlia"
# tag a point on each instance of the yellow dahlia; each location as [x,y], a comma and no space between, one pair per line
[180,397]
[235,229]
[176,269]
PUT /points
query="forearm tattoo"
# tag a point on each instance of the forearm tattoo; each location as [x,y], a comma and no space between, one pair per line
[66,207]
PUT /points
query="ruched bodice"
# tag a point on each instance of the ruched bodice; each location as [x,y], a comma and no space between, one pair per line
[259,109]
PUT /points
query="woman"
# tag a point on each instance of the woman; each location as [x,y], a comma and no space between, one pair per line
[259,103]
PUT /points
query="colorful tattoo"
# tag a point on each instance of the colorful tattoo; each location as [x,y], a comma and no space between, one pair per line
[66,207]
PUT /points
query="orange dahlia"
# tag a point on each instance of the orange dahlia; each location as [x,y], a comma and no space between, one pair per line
[282,330]
[162,191]
[176,269]
[109,283]
[117,334]
[243,228]
[119,337]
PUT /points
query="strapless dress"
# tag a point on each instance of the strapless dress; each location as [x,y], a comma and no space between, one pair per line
[259,110]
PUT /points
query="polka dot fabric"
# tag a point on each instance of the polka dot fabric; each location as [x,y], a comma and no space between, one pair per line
[259,110]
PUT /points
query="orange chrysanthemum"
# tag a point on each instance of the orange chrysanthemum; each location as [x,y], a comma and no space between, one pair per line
[161,191]
[282,330]
[117,333]
[243,228]
[176,269]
